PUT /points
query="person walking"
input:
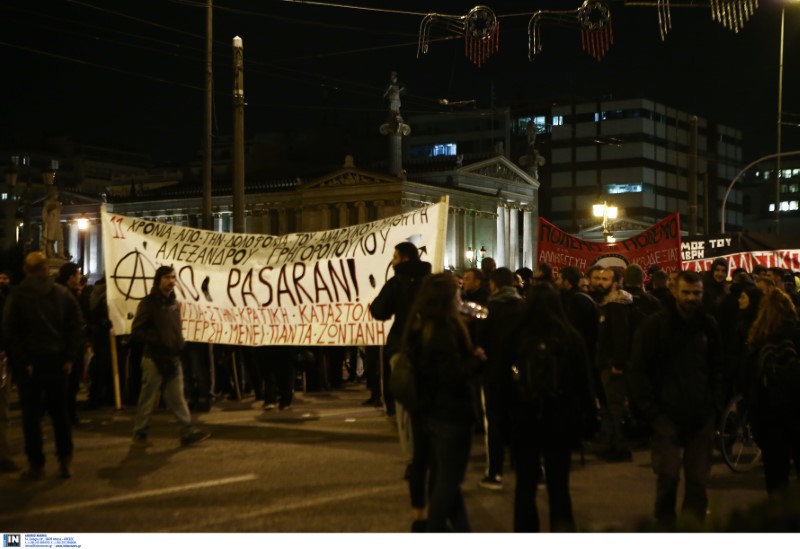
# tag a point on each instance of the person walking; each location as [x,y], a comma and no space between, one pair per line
[552,406]
[446,368]
[42,333]
[504,303]
[675,381]
[774,386]
[157,325]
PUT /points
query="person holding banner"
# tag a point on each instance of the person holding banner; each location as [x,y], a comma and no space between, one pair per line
[395,299]
[157,325]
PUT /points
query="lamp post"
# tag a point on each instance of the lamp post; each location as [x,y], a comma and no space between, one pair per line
[470,255]
[780,120]
[607,212]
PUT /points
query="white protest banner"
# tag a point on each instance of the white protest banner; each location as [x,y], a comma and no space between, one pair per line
[257,289]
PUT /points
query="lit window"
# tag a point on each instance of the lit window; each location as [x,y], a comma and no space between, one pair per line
[444,149]
[4,196]
[558,120]
[787,174]
[622,188]
[784,206]
[795,171]
[793,205]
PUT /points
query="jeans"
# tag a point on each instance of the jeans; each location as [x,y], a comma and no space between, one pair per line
[557,455]
[450,442]
[420,460]
[50,391]
[616,397]
[779,447]
[172,393]
[697,447]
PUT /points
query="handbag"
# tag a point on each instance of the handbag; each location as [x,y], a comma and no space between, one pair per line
[403,383]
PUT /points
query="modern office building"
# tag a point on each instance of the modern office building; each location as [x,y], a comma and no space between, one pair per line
[638,155]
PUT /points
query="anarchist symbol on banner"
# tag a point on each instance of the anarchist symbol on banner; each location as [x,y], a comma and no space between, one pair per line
[133,275]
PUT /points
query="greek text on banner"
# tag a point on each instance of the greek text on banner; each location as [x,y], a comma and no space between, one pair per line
[255,289]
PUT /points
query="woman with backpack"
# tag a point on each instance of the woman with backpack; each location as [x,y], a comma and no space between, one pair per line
[439,345]
[774,342]
[552,405]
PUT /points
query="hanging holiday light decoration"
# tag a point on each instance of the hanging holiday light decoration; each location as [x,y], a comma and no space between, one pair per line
[733,14]
[664,18]
[480,29]
[594,19]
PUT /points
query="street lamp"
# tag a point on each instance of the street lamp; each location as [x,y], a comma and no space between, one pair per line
[470,256]
[606,212]
[780,121]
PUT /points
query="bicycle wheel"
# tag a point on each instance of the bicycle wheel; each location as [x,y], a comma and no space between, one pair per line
[739,450]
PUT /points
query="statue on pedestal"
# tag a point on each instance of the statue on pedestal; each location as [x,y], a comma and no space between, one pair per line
[53,234]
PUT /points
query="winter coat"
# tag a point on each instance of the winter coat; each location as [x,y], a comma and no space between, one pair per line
[42,322]
[614,334]
[157,325]
[493,333]
[676,367]
[397,296]
[446,369]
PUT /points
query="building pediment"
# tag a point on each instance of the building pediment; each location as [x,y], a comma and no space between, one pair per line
[348,177]
[499,168]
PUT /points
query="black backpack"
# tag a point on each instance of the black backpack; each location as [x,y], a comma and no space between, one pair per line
[536,373]
[778,369]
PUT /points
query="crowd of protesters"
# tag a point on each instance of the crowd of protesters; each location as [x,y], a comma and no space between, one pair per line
[537,362]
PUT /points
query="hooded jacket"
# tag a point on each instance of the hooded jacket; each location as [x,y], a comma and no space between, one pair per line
[614,334]
[42,324]
[396,297]
[157,325]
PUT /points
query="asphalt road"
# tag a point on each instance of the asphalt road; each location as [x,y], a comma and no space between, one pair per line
[327,465]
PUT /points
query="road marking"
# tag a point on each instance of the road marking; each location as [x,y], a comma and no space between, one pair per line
[127,497]
[284,508]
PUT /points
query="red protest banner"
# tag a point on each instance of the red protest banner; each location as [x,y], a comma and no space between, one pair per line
[659,245]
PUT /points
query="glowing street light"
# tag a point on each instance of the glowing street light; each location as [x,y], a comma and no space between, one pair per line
[607,212]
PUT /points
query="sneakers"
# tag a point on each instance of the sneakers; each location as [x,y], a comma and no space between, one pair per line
[32,473]
[194,437]
[269,406]
[491,482]
[65,468]
[140,439]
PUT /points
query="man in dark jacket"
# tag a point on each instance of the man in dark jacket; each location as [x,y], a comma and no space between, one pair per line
[613,348]
[714,288]
[504,303]
[157,325]
[42,329]
[395,299]
[69,276]
[675,380]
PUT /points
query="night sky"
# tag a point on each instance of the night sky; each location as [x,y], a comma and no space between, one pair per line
[130,73]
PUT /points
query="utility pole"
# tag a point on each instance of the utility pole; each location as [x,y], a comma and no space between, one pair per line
[238,135]
[207,143]
[780,123]
[691,186]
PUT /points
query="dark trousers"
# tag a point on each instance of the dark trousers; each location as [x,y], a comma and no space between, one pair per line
[279,374]
[672,447]
[372,370]
[101,382]
[386,380]
[450,443]
[38,393]
[616,410]
[197,376]
[779,447]
[494,426]
[528,453]
[420,463]
[74,386]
